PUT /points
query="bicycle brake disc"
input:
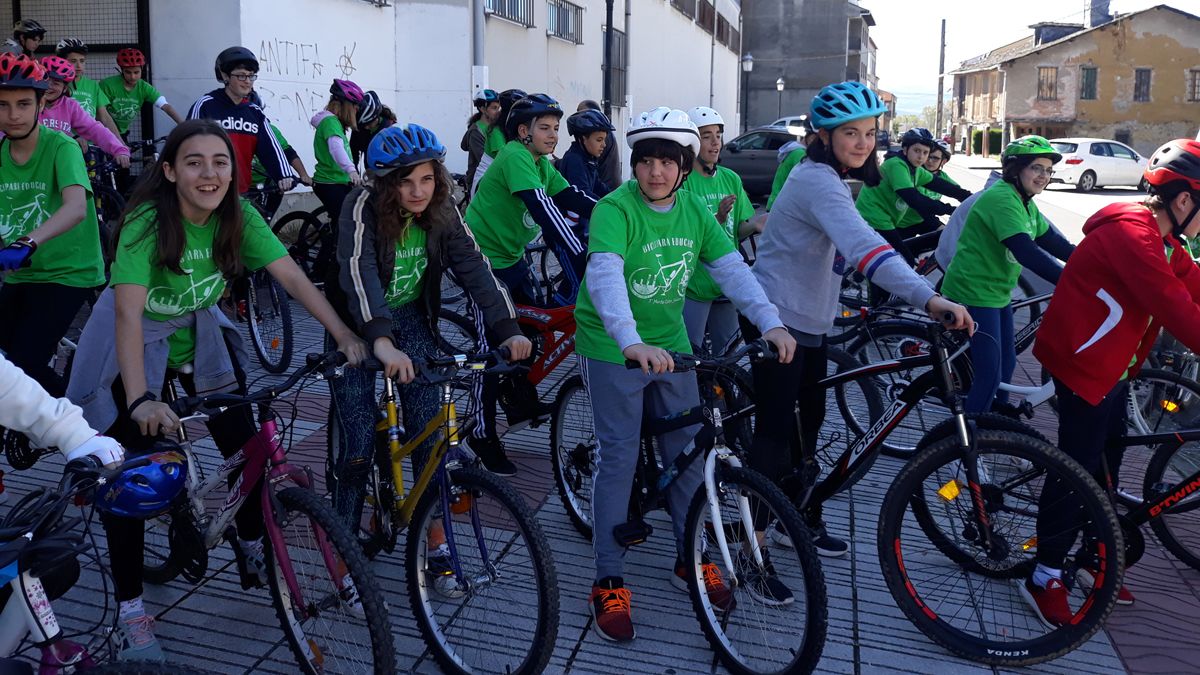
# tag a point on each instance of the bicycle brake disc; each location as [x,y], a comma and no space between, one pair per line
[187,546]
[21,455]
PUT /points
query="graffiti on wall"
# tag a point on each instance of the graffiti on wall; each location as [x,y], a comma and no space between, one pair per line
[294,76]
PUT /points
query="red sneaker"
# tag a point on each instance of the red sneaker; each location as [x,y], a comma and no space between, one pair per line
[714,585]
[611,608]
[1087,579]
[1049,603]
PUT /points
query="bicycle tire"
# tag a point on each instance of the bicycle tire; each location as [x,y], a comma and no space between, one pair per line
[1016,646]
[509,614]
[1172,463]
[865,392]
[110,205]
[269,314]
[790,636]
[158,564]
[572,452]
[452,293]
[989,421]
[456,333]
[311,657]
[300,232]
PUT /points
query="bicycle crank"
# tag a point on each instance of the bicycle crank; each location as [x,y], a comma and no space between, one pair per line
[1135,541]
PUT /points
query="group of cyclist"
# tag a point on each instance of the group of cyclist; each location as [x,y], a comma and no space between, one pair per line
[651,264]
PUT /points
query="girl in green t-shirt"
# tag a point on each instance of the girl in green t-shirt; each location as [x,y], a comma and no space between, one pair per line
[396,238]
[335,174]
[186,233]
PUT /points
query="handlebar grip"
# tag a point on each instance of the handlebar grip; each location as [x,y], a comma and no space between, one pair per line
[632,365]
[504,353]
[371,365]
[948,318]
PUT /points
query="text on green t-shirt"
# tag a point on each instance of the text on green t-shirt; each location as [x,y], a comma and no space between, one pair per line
[408,274]
[124,106]
[88,94]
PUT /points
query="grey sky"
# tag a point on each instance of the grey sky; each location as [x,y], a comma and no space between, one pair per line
[906,33]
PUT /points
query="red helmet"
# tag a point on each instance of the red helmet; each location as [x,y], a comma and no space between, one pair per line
[1176,160]
[131,58]
[21,72]
[58,68]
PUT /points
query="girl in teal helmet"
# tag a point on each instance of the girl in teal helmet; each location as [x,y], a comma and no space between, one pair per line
[1004,233]
[813,219]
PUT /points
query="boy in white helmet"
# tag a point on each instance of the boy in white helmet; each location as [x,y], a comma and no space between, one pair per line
[647,239]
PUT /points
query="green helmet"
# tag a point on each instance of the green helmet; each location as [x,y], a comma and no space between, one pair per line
[1031,147]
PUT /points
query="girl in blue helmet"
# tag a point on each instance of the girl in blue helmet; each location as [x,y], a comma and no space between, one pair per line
[395,239]
[813,219]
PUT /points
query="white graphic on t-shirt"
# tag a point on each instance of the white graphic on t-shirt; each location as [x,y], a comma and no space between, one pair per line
[528,221]
[404,284]
[18,220]
[665,284]
[203,293]
[124,108]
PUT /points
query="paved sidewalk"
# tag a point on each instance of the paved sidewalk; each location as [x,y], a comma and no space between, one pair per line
[217,626]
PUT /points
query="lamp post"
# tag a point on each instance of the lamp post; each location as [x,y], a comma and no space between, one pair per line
[779,84]
[747,67]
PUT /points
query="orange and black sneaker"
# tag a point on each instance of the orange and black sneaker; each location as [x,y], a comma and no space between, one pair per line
[715,588]
[611,610]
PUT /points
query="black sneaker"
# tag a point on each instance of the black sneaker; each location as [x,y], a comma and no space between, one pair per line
[491,452]
[762,583]
[827,545]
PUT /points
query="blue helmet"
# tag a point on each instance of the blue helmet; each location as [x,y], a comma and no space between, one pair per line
[837,104]
[585,122]
[147,491]
[486,96]
[403,145]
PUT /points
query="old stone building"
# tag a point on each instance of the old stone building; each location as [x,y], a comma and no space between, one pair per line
[1134,78]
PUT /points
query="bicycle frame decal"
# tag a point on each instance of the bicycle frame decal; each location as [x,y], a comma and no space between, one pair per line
[878,431]
[1181,491]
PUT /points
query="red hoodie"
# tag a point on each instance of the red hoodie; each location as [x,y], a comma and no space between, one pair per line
[1117,290]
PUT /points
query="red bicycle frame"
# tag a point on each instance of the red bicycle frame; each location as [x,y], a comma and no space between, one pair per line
[555,331]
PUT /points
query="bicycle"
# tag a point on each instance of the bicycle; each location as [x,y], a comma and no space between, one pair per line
[308,236]
[318,575]
[487,601]
[41,543]
[260,302]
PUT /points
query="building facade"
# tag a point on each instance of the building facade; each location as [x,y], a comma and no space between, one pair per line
[1134,78]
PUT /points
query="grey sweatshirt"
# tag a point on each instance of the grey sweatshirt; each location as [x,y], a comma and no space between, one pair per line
[813,219]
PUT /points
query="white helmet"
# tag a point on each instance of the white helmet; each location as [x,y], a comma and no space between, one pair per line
[703,116]
[667,124]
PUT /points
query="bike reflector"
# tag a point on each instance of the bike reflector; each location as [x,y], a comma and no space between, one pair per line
[1170,406]
[1029,544]
[950,490]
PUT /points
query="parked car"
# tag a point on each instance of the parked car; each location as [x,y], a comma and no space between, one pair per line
[883,140]
[755,156]
[1091,162]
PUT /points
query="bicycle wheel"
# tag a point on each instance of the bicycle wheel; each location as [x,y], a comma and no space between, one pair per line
[452,293]
[766,630]
[859,404]
[491,606]
[339,623]
[965,595]
[573,452]
[158,565]
[270,315]
[456,333]
[888,340]
[109,207]
[1178,527]
[300,232]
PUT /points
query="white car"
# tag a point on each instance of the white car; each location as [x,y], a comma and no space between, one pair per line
[795,125]
[1091,162]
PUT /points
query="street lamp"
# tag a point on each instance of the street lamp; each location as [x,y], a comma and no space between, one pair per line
[747,67]
[779,84]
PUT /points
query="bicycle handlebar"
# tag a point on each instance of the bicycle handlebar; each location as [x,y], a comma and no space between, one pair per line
[327,363]
[495,361]
[759,348]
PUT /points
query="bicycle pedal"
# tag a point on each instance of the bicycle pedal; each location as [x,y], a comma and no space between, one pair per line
[632,533]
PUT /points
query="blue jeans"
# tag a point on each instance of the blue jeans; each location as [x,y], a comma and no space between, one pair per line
[993,356]
[353,412]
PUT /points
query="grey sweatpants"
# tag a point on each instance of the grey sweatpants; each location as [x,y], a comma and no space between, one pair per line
[719,317]
[619,397]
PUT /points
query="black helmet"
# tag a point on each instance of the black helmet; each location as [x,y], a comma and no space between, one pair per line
[585,122]
[70,46]
[917,135]
[507,98]
[27,27]
[528,109]
[233,57]
[370,109]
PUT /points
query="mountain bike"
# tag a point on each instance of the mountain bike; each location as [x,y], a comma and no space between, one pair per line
[481,578]
[308,236]
[261,303]
[326,597]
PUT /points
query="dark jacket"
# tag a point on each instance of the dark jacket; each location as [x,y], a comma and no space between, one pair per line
[361,271]
[583,171]
[610,164]
[472,143]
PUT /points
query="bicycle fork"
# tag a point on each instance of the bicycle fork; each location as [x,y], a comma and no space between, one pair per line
[489,573]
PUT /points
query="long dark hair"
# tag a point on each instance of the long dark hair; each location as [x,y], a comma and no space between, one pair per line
[868,173]
[391,219]
[156,193]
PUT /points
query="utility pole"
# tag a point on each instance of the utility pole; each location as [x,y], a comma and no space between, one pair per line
[608,57]
[941,69]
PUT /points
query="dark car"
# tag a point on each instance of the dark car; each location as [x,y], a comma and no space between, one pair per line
[883,140]
[755,156]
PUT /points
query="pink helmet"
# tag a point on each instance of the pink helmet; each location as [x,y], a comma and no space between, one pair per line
[345,90]
[58,68]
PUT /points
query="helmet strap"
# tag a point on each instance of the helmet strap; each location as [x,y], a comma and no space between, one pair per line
[709,170]
[1177,227]
[678,184]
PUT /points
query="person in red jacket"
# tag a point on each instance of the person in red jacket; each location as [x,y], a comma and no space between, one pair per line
[1130,277]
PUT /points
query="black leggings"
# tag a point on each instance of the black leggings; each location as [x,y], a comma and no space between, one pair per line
[1085,432]
[37,316]
[332,196]
[127,536]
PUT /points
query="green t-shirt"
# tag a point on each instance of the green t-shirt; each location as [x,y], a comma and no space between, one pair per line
[498,218]
[89,95]
[31,193]
[124,106]
[880,205]
[327,170]
[912,217]
[785,168]
[984,272]
[711,190]
[169,295]
[408,276]
[661,252]
[493,141]
[258,175]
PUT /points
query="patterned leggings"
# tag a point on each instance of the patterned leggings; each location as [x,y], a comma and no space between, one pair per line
[354,411]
